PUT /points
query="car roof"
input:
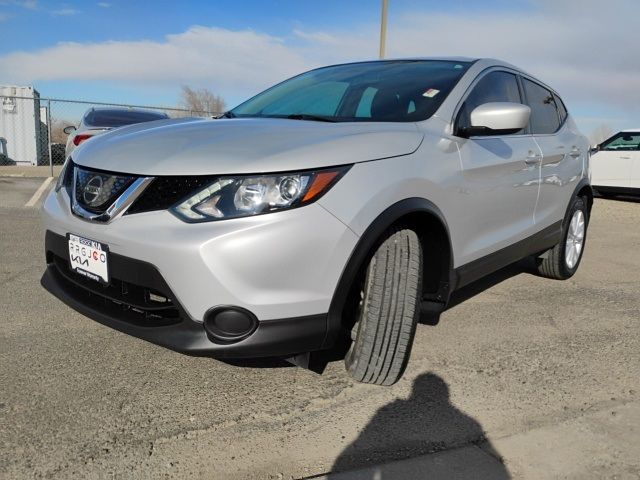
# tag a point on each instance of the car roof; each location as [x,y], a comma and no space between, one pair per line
[480,62]
[122,109]
[630,130]
[487,61]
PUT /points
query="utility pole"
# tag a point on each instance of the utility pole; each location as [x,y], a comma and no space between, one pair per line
[383,27]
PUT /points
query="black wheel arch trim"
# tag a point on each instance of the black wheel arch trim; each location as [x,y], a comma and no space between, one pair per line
[584,182]
[367,241]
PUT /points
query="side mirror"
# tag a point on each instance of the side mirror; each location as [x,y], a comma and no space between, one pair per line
[498,118]
[68,129]
[594,149]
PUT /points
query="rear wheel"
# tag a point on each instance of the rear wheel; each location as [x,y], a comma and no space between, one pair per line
[389,309]
[562,261]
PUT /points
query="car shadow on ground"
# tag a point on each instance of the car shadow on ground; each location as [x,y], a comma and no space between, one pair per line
[426,422]
[525,266]
[268,362]
[320,360]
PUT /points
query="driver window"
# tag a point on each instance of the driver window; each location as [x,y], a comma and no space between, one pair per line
[493,87]
[622,141]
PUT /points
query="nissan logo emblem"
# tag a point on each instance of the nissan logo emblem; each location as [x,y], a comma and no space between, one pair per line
[92,190]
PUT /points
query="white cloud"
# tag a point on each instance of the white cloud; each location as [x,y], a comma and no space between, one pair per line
[585,54]
[104,4]
[28,4]
[584,51]
[226,60]
[65,12]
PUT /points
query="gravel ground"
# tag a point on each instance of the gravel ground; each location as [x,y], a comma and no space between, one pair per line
[517,353]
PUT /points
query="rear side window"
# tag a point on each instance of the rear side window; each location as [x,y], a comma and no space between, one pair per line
[493,87]
[622,141]
[562,110]
[544,112]
[118,118]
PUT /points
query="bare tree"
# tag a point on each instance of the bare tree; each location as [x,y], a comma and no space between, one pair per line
[201,101]
[600,134]
[57,125]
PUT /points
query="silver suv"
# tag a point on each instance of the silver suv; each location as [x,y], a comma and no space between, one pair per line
[331,209]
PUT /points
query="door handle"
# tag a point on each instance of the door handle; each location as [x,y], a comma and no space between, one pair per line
[575,152]
[533,158]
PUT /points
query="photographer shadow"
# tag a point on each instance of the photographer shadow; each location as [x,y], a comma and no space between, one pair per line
[424,423]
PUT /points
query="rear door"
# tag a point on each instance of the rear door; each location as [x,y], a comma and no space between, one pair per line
[563,153]
[499,175]
[613,164]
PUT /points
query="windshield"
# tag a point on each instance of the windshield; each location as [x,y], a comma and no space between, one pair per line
[118,118]
[389,91]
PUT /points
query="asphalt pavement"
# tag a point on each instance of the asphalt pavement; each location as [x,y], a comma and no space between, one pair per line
[522,378]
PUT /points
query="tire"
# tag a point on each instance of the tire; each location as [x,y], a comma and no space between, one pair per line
[556,263]
[389,310]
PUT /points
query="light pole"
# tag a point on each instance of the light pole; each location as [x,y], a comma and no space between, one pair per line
[383,27]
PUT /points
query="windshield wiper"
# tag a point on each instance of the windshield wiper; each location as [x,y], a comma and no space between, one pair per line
[227,114]
[307,116]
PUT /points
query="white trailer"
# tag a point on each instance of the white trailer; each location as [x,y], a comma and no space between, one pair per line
[21,126]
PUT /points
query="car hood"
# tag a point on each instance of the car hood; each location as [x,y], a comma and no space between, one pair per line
[247,145]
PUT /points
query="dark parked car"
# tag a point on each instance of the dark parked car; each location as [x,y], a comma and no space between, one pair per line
[99,120]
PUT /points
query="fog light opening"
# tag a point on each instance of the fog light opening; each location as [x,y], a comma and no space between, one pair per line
[229,324]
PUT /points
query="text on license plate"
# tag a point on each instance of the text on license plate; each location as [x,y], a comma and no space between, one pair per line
[89,258]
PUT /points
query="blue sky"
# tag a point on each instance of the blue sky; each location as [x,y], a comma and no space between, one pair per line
[39,24]
[142,52]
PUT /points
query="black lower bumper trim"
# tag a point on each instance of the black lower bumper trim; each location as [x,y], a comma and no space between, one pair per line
[271,338]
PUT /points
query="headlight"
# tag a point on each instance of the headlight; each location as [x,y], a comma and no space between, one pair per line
[242,196]
[66,172]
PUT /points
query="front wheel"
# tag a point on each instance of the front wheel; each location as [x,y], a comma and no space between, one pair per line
[562,261]
[389,309]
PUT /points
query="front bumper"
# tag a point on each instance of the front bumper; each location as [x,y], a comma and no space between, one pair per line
[282,267]
[124,305]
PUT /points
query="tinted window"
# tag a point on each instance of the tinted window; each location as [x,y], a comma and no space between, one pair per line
[118,118]
[562,110]
[388,91]
[622,141]
[544,112]
[493,87]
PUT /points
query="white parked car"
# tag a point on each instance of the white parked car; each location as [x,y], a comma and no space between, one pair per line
[99,120]
[615,165]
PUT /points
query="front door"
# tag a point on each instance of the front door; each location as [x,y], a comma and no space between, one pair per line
[499,176]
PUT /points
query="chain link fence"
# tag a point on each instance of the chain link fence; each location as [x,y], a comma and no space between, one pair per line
[32,128]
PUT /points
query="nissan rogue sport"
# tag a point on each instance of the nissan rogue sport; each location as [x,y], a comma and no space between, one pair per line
[335,206]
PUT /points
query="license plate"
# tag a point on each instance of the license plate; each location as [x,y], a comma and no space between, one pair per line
[89,258]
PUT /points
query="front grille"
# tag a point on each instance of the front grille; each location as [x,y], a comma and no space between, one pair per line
[137,293]
[164,192]
[96,191]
